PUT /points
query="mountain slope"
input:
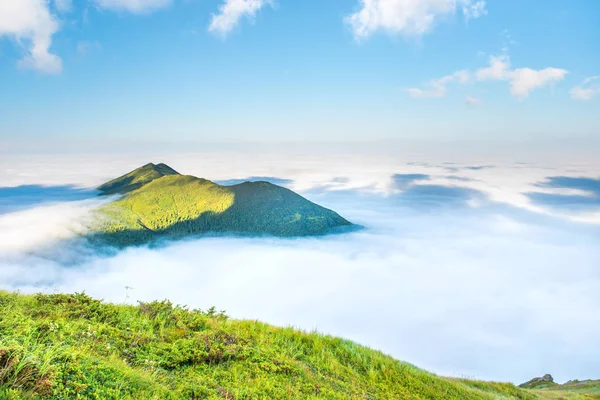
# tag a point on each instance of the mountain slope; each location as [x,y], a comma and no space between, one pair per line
[173,205]
[63,346]
[136,178]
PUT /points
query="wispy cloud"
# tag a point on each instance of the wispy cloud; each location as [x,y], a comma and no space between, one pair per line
[408,17]
[232,11]
[134,6]
[437,87]
[586,90]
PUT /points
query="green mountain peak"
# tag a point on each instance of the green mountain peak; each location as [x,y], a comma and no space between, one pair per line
[160,202]
[136,178]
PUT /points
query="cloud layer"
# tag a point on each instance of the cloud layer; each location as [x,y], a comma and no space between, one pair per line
[459,271]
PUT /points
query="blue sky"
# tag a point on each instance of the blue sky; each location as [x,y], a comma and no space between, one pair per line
[286,70]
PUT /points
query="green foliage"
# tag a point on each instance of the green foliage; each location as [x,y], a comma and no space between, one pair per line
[70,346]
[158,205]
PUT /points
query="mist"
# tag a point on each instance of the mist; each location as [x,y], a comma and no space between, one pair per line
[466,268]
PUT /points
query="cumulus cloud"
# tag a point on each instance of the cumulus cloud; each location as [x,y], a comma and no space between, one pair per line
[230,13]
[525,80]
[437,87]
[522,80]
[498,69]
[134,6]
[587,90]
[31,23]
[408,17]
[444,265]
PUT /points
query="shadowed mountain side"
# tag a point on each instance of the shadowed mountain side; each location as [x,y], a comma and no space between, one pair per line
[22,197]
[209,224]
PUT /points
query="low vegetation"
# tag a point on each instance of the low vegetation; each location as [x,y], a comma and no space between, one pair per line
[71,346]
[575,389]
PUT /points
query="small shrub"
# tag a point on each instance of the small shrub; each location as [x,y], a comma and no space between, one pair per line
[20,372]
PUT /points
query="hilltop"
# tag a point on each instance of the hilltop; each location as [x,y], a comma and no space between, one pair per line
[136,178]
[63,346]
[160,202]
[576,389]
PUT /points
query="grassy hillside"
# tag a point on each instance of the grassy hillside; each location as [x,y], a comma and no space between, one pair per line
[63,346]
[173,205]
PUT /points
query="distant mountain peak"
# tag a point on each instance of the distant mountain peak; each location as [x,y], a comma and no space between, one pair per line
[160,202]
[137,178]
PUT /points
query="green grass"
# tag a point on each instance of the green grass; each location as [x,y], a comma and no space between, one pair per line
[70,346]
[158,203]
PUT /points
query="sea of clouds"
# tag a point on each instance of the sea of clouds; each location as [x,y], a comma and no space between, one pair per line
[466,267]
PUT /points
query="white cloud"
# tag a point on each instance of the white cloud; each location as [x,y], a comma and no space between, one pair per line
[31,24]
[473,101]
[230,13]
[587,90]
[63,6]
[437,87]
[498,69]
[474,9]
[408,17]
[522,80]
[133,6]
